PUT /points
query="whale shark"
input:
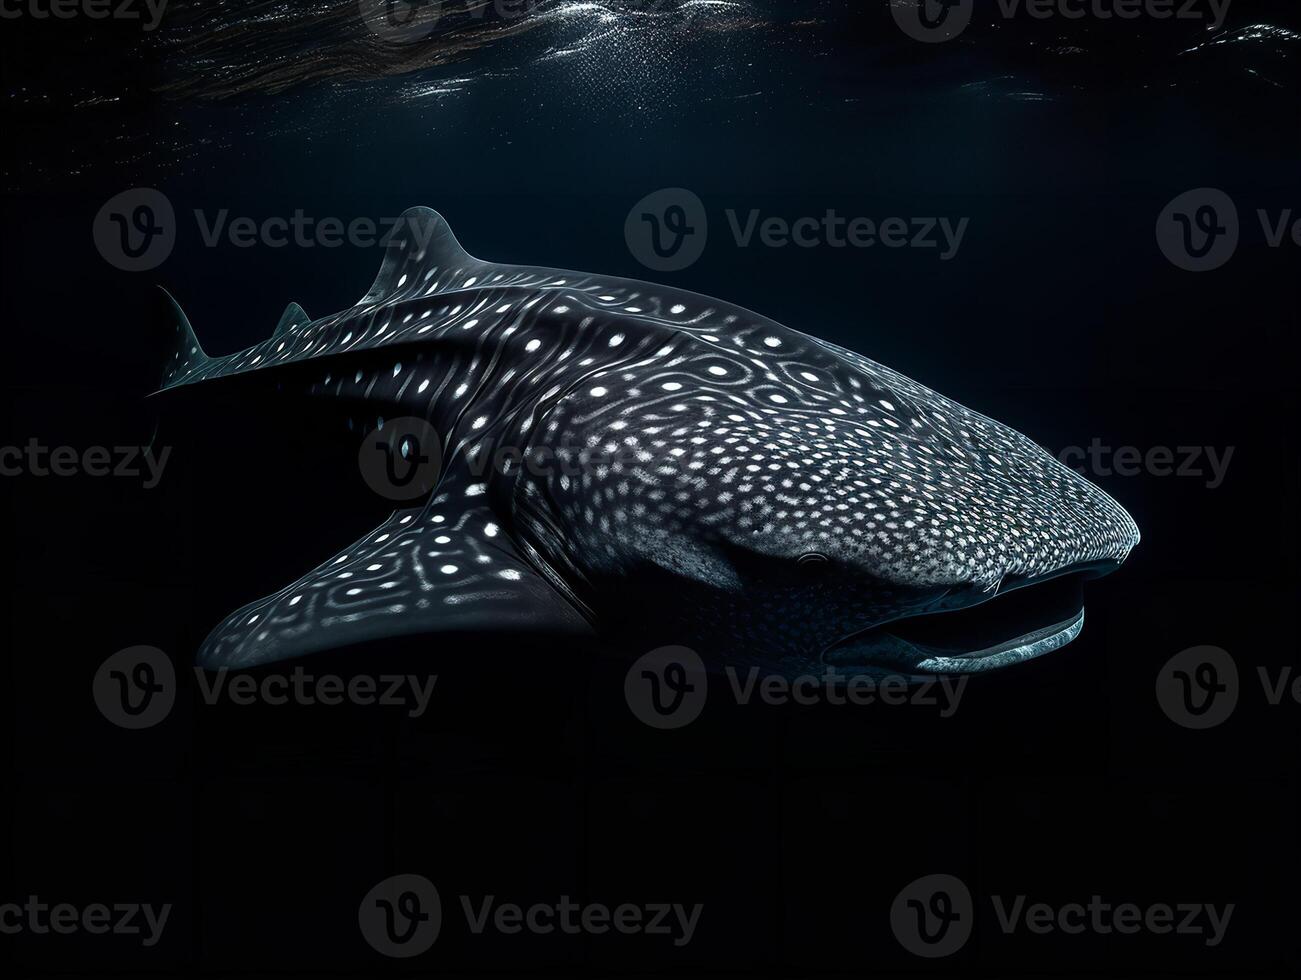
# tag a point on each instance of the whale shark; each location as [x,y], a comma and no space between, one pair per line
[643,465]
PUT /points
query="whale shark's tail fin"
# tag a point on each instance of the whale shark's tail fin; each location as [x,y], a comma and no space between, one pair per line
[185,356]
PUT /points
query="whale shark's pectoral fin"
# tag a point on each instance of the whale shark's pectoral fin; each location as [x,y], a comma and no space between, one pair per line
[423,570]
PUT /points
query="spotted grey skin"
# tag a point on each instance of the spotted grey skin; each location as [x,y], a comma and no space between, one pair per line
[655,466]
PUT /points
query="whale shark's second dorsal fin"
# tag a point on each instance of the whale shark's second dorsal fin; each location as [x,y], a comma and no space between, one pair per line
[420,246]
[186,356]
[293,316]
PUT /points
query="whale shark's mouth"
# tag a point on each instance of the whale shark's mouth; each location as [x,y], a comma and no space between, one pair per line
[1023,619]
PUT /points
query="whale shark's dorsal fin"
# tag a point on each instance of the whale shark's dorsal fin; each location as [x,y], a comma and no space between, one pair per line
[420,246]
[187,356]
[293,316]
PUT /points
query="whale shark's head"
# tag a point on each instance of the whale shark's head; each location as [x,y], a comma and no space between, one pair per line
[801,505]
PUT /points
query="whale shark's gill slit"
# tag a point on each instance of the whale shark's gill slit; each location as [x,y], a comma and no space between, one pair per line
[480,380]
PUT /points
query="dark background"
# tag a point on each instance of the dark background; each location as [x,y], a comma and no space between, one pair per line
[529,778]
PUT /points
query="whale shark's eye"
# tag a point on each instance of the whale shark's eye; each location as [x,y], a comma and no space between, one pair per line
[813,563]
